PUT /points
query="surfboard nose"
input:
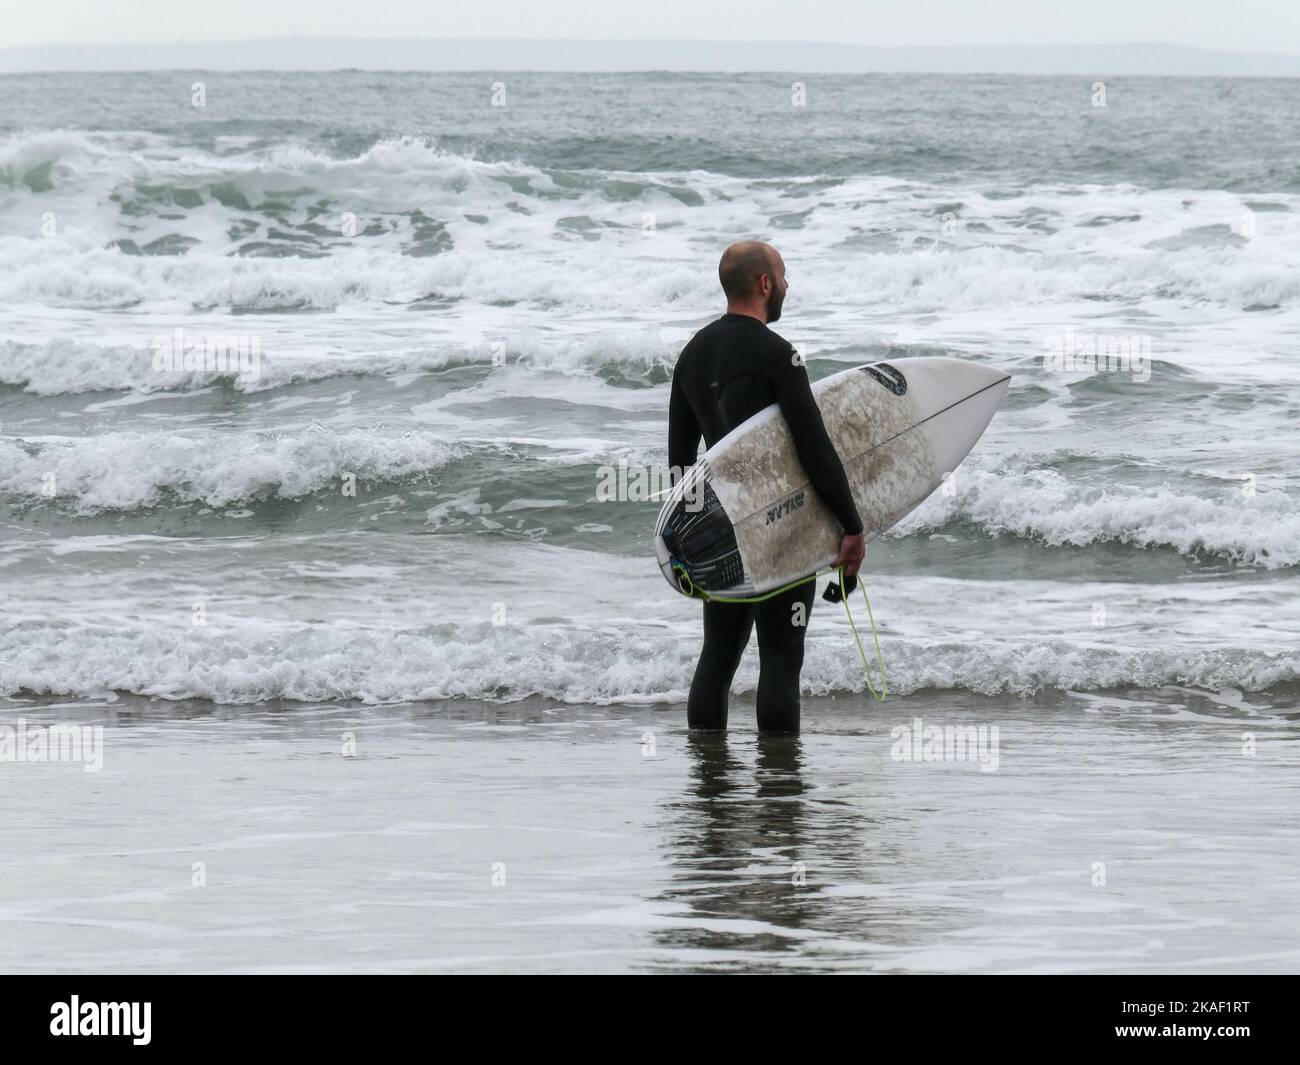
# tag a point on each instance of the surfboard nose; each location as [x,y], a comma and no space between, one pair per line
[956,400]
[982,389]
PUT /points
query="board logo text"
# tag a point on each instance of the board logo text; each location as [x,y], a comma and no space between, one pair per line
[776,513]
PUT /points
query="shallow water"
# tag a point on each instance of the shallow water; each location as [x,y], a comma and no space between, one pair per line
[625,845]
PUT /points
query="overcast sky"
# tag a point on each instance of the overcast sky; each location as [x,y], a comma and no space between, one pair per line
[1243,25]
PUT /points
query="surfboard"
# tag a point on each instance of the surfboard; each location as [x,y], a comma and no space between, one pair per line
[745,519]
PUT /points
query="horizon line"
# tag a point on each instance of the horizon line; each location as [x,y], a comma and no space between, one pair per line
[642,40]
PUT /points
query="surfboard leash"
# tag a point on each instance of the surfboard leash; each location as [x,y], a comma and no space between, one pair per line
[875,636]
[687,587]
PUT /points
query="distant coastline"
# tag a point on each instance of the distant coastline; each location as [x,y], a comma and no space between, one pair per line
[806,57]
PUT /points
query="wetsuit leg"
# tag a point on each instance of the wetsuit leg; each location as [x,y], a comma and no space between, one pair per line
[727,627]
[782,623]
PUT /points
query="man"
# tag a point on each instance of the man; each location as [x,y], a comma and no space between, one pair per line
[730,370]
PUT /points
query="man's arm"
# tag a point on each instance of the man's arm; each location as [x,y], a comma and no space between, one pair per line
[683,429]
[816,452]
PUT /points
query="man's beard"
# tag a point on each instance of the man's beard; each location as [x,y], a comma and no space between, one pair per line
[774,300]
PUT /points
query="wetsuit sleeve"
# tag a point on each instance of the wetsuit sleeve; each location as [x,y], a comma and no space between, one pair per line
[811,441]
[683,428]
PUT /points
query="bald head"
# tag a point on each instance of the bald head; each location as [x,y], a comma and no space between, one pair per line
[742,265]
[753,277]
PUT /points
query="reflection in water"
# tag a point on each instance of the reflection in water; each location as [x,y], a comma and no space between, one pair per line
[745,845]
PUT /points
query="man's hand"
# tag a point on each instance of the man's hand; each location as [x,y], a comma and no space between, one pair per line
[852,551]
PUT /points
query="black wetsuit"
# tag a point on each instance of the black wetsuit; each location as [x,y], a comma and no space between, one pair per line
[730,370]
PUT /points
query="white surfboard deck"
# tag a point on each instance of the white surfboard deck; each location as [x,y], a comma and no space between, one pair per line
[746,520]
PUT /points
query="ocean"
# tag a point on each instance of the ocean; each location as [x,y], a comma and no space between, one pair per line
[436,311]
